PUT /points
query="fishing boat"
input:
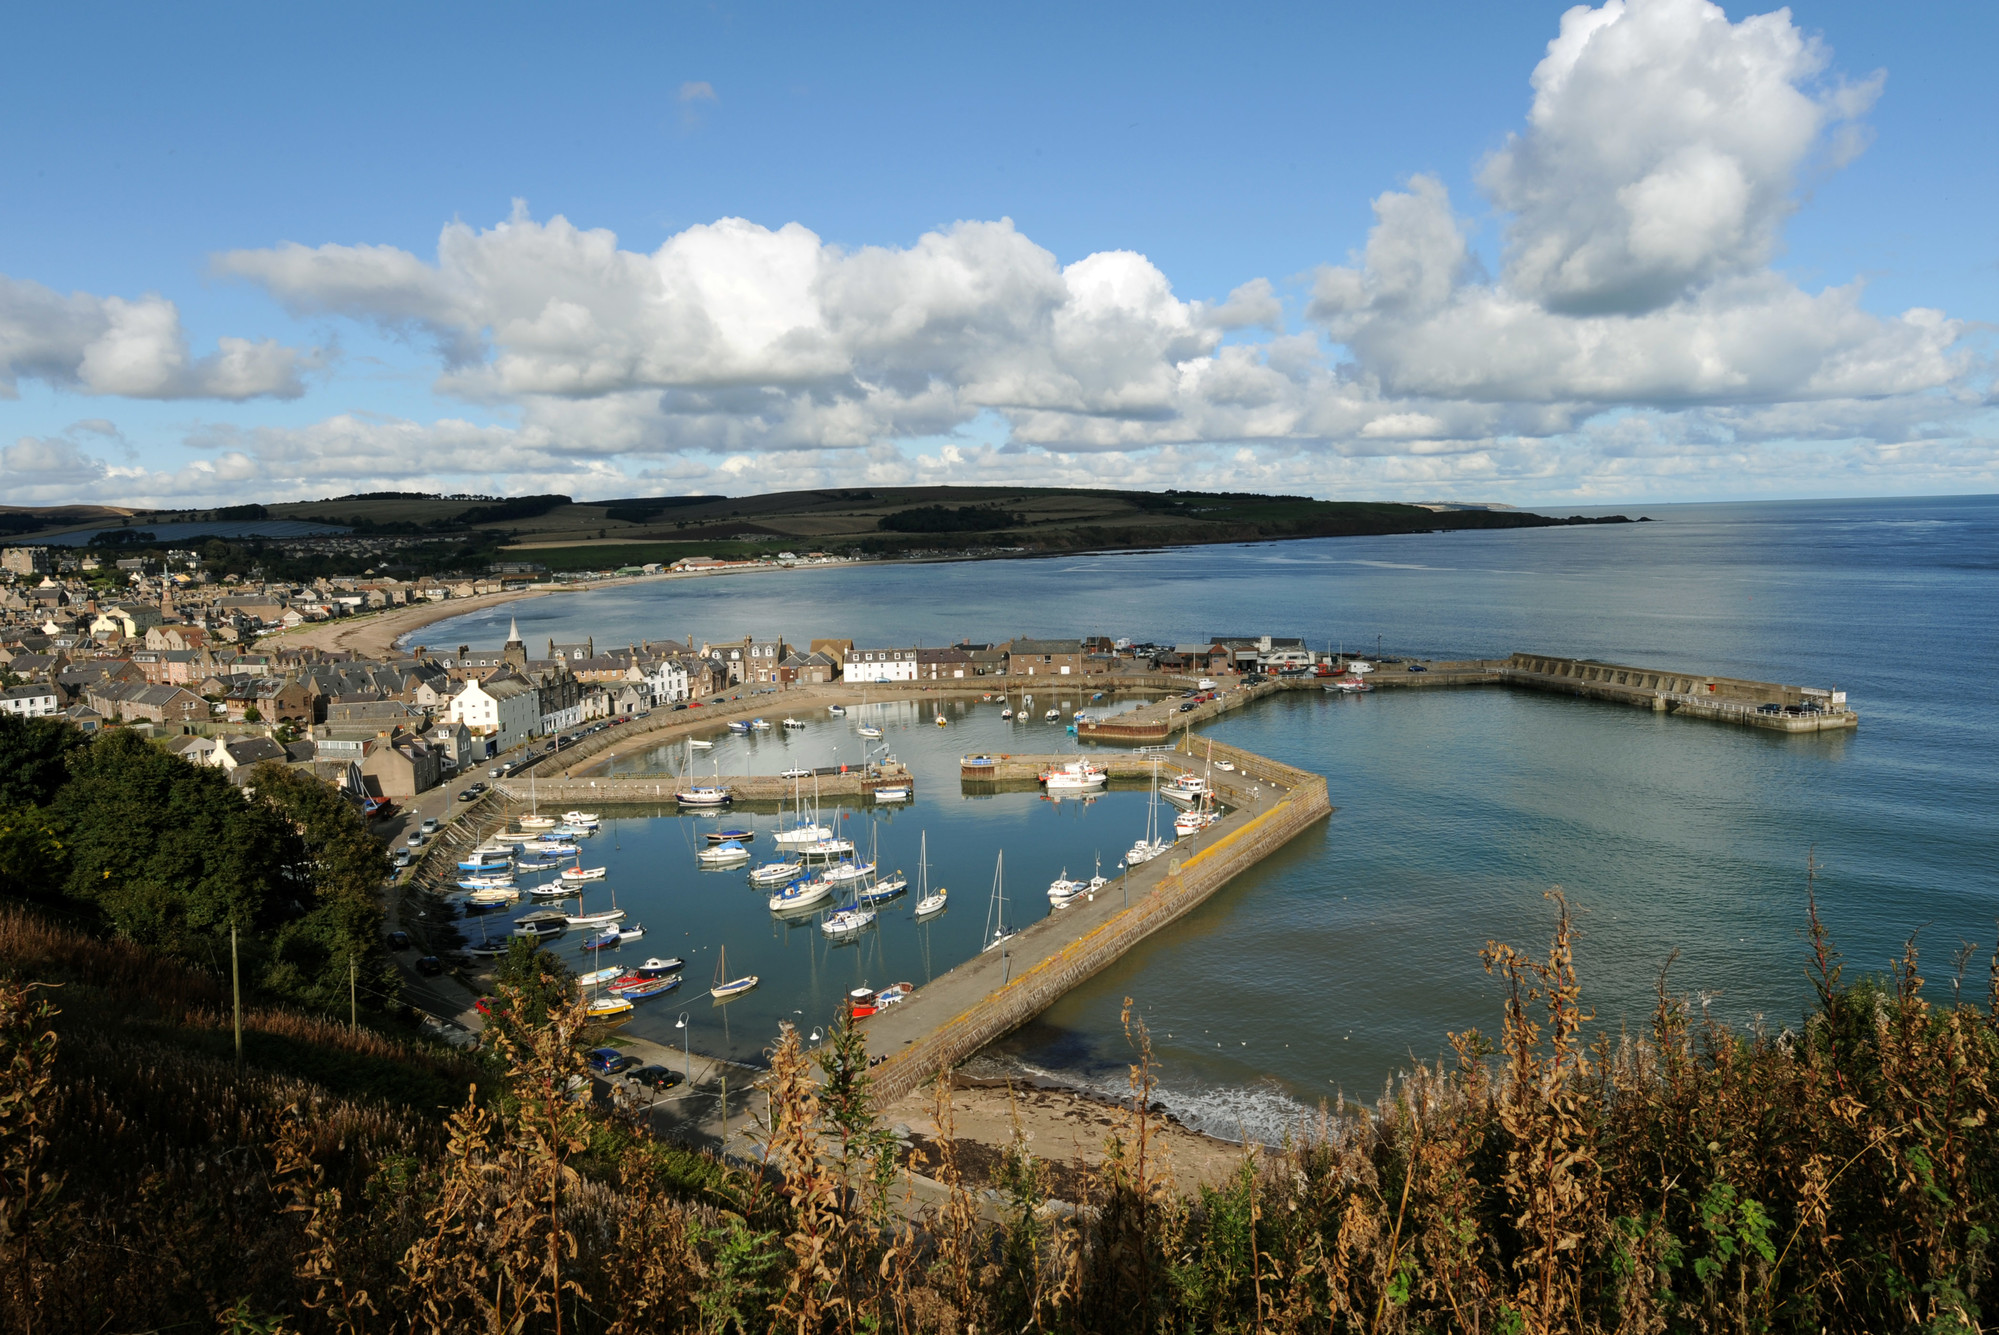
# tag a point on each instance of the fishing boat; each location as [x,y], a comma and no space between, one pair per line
[775,873]
[588,818]
[928,901]
[487,859]
[579,874]
[1061,890]
[860,1002]
[1076,776]
[603,1008]
[1151,846]
[1193,822]
[722,855]
[730,836]
[1185,789]
[800,895]
[996,929]
[893,994]
[1097,879]
[892,792]
[793,723]
[726,987]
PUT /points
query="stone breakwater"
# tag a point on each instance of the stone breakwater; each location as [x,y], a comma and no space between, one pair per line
[1002,988]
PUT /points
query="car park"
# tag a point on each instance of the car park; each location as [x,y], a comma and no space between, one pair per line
[609,1061]
[656,1077]
[430,966]
[398,940]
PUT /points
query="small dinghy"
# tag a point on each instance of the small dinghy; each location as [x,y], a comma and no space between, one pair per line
[577,875]
[725,987]
[731,836]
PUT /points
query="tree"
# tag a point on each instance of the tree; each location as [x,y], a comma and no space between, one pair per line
[33,752]
[335,880]
[170,852]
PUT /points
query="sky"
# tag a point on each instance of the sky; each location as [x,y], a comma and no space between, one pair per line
[1648,250]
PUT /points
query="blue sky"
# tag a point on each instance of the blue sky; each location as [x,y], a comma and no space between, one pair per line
[1673,259]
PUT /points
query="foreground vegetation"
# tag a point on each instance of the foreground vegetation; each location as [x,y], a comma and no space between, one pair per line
[1835,1176]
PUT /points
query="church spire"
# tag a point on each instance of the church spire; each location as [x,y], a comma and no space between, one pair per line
[515,652]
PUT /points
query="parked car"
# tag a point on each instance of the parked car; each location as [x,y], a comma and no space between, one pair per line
[1417,667]
[429,825]
[469,795]
[684,704]
[609,1061]
[1771,708]
[399,940]
[402,859]
[417,839]
[430,966]
[1187,708]
[656,1077]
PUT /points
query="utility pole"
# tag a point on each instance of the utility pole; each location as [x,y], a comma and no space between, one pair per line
[236,991]
[353,1004]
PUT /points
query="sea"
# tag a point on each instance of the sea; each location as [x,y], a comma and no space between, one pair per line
[1683,848]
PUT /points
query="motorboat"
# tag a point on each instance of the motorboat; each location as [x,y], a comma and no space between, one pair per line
[540,923]
[881,890]
[1076,776]
[775,873]
[604,940]
[601,918]
[576,875]
[792,723]
[892,792]
[1061,890]
[842,872]
[722,855]
[759,725]
[893,994]
[800,895]
[536,862]
[632,933]
[553,890]
[671,964]
[860,1002]
[487,860]
[597,977]
[702,795]
[537,822]
[603,1008]
[1186,789]
[492,896]
[869,731]
[726,987]
[542,845]
[588,818]
[848,922]
[730,836]
[739,725]
[572,832]
[505,882]
[837,711]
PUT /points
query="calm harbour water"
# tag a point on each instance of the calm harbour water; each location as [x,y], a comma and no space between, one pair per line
[1355,950]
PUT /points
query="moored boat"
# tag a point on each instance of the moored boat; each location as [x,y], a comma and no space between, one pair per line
[602,918]
[800,895]
[722,855]
[603,1008]
[726,987]
[848,922]
[730,836]
[576,875]
[702,795]
[775,873]
[1076,776]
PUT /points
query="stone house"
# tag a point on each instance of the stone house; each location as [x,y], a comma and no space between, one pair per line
[1044,658]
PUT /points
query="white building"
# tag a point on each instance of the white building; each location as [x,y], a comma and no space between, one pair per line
[503,710]
[666,680]
[563,719]
[880,665]
[31,701]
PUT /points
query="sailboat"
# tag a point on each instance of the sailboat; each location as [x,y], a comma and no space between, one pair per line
[878,889]
[996,930]
[928,901]
[726,987]
[1151,846]
[704,794]
[534,820]
[870,731]
[802,832]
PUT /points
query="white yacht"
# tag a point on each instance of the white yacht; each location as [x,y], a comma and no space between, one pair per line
[1076,776]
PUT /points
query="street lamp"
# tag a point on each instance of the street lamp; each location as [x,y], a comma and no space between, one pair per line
[1124,878]
[686,1055]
